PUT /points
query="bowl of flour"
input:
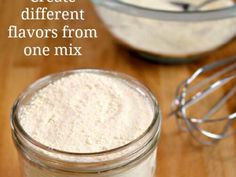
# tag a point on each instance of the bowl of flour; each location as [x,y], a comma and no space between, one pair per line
[166,30]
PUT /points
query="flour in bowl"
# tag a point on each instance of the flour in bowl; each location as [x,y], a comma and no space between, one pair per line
[169,38]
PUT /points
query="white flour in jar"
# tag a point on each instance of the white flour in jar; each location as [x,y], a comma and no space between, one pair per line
[87,113]
[95,112]
[170,38]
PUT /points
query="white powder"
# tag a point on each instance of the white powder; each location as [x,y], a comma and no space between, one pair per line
[170,38]
[86,112]
[167,5]
[146,168]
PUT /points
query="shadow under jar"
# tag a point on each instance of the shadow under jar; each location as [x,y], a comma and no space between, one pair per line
[136,159]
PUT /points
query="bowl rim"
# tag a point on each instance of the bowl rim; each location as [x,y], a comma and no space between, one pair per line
[155,14]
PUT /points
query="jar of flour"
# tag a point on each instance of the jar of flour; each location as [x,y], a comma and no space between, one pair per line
[87,123]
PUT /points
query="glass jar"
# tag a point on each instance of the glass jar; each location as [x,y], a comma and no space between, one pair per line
[136,159]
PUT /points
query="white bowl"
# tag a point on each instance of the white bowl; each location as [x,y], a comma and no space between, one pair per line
[172,34]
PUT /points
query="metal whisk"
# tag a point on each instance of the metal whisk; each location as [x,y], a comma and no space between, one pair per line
[196,89]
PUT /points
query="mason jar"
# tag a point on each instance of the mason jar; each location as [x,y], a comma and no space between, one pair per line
[135,159]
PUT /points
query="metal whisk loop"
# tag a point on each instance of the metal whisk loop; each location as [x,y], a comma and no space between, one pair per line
[225,73]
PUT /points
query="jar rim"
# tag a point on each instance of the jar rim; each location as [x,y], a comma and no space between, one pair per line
[157,14]
[19,130]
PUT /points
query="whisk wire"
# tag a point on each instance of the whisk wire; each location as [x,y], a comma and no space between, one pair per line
[182,102]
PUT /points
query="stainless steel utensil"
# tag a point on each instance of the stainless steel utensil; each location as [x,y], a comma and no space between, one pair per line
[191,7]
[191,91]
